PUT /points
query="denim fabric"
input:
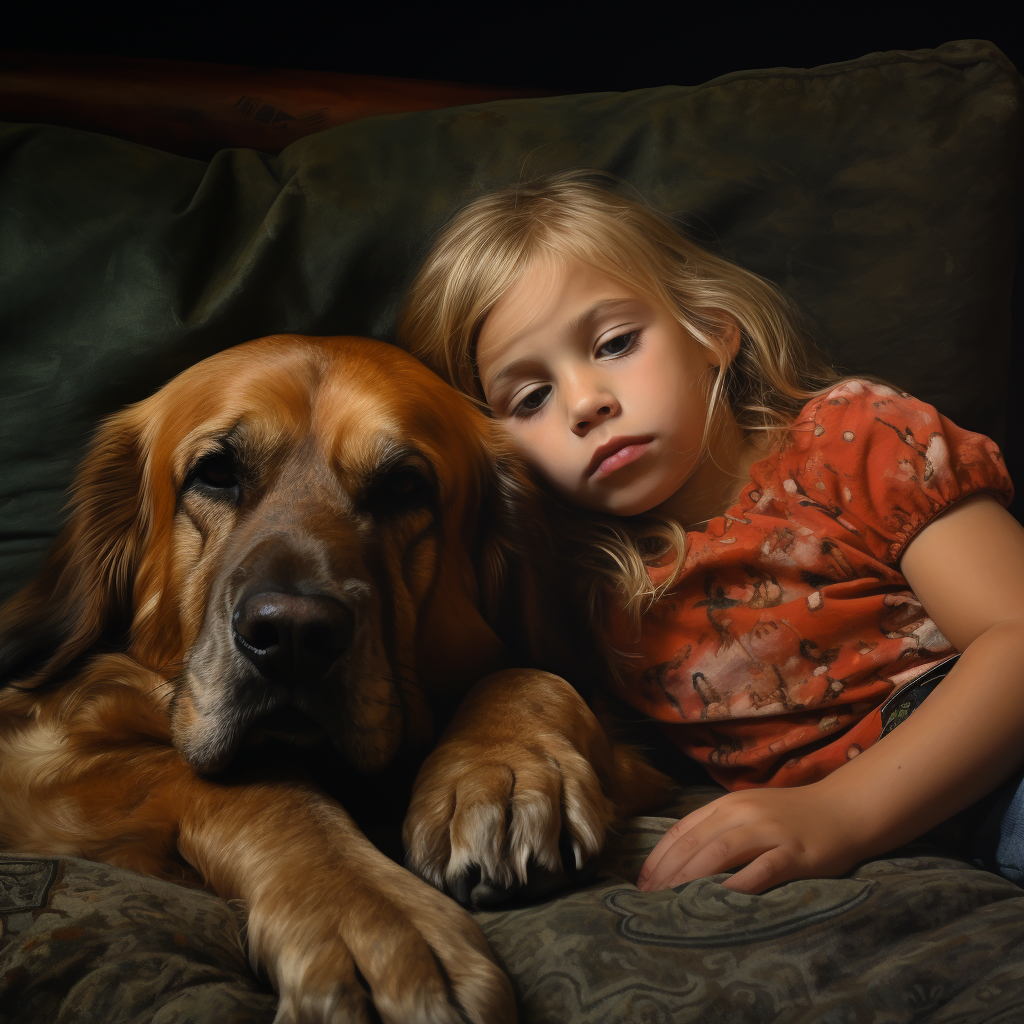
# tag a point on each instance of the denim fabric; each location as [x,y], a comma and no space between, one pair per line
[990,833]
[998,844]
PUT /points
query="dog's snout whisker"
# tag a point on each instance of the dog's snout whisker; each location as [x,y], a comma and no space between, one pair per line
[291,638]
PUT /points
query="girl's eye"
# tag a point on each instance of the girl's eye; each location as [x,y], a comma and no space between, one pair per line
[616,346]
[532,402]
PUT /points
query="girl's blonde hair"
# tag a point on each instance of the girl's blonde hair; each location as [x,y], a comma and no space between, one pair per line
[584,217]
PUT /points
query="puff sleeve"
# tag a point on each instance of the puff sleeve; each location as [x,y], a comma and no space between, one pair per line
[883,464]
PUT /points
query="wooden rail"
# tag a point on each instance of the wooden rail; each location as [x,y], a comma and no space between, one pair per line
[194,108]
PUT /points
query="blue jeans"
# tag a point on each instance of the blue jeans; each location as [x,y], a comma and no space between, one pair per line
[990,833]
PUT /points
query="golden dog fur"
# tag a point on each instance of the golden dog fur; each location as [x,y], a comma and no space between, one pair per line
[342,481]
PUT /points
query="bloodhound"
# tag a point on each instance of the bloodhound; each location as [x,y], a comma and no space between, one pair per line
[299,545]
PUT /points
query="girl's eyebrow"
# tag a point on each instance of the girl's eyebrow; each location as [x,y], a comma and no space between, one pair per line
[587,318]
[513,370]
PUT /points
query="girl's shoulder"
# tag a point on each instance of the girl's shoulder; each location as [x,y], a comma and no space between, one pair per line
[877,457]
[864,420]
[852,403]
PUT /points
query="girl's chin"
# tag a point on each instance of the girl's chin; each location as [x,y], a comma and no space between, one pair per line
[628,498]
[622,504]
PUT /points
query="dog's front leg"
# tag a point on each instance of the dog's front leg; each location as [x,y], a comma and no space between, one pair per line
[343,932]
[520,791]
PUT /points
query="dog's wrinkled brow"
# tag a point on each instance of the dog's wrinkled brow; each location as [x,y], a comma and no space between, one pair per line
[254,444]
[389,455]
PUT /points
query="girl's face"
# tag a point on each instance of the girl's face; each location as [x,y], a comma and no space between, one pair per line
[601,387]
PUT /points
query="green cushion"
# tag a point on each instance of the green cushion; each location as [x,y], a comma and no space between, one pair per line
[87,943]
[917,935]
[880,192]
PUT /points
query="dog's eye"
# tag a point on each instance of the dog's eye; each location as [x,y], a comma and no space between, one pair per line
[403,483]
[401,489]
[216,471]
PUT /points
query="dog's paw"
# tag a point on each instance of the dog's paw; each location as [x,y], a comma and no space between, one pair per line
[489,821]
[379,947]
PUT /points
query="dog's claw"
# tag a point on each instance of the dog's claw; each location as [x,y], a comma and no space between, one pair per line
[463,885]
[492,843]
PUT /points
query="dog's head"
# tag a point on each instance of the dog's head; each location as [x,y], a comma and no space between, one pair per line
[297,530]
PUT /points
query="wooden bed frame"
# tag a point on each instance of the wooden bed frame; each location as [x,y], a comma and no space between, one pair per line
[195,109]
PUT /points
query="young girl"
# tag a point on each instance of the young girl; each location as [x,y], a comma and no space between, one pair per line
[772,552]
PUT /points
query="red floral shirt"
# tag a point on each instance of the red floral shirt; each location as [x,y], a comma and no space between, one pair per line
[769,659]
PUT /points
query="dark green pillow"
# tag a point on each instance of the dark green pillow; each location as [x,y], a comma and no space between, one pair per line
[882,193]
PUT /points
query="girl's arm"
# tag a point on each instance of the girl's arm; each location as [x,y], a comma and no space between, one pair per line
[967,569]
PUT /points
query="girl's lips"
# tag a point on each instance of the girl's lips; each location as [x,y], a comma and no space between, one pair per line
[629,452]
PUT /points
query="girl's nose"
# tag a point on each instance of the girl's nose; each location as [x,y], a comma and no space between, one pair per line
[590,408]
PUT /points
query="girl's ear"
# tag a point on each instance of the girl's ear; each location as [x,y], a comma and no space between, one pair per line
[729,333]
[732,335]
[83,590]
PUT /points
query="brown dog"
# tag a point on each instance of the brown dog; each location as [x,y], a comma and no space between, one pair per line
[289,547]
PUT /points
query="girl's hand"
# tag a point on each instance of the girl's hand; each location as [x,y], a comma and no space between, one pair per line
[779,834]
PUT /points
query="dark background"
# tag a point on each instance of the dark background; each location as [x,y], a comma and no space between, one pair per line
[594,47]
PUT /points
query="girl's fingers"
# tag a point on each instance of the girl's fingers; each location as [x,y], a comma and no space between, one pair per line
[772,868]
[669,838]
[721,852]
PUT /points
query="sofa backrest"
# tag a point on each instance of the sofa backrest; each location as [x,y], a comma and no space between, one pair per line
[882,193]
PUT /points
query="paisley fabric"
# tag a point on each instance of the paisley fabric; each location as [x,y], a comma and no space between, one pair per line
[791,624]
[902,939]
[85,943]
[919,935]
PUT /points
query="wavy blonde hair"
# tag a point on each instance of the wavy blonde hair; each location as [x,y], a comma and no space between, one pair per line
[585,217]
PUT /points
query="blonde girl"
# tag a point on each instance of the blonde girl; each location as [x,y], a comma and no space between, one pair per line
[780,564]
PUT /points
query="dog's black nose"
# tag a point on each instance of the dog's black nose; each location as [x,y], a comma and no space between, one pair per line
[292,638]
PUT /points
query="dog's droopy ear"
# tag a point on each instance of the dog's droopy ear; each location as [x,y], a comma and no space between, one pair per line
[83,590]
[528,589]
[488,608]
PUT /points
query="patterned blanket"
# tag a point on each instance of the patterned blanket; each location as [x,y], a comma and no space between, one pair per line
[916,936]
